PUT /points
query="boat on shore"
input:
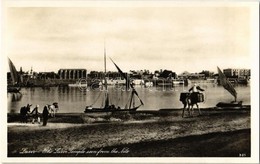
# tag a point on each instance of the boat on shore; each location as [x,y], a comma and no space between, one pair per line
[229,105]
[108,107]
[230,88]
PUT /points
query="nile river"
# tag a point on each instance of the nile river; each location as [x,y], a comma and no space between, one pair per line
[74,100]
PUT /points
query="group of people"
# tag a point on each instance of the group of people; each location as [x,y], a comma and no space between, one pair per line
[25,113]
[48,110]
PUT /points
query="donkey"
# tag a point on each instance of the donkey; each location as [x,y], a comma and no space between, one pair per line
[53,109]
[190,100]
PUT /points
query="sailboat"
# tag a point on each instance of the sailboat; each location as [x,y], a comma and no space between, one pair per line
[230,88]
[108,107]
[13,90]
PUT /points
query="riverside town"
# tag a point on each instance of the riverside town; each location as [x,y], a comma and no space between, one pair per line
[69,77]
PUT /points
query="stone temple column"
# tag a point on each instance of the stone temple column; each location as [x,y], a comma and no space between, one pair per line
[60,73]
[70,71]
[74,72]
[65,74]
[82,74]
[68,74]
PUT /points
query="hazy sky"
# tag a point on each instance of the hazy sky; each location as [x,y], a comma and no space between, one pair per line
[176,38]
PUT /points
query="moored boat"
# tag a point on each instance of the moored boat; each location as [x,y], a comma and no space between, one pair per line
[108,107]
[230,88]
[14,88]
[229,105]
[178,82]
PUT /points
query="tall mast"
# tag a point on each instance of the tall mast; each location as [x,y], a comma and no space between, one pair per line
[105,64]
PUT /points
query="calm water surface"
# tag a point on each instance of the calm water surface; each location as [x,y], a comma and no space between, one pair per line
[74,100]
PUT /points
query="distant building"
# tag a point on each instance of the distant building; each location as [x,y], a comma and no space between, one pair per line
[168,74]
[196,76]
[230,72]
[68,74]
[46,75]
[184,75]
[245,72]
[187,75]
[207,74]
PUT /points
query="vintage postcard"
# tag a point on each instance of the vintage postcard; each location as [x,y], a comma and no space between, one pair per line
[130,81]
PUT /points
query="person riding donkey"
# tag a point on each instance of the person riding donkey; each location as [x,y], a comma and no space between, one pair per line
[192,98]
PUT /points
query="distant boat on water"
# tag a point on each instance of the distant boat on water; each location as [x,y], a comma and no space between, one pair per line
[14,88]
[82,83]
[116,81]
[178,82]
[242,81]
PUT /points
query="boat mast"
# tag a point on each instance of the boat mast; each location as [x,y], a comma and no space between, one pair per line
[105,65]
[131,99]
[105,80]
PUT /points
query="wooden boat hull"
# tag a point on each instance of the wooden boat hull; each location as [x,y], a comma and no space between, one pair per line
[229,105]
[104,110]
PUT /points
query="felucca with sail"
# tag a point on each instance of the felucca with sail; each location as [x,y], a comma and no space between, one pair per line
[14,88]
[108,106]
[230,88]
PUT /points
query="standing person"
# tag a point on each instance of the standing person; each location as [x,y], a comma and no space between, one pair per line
[196,96]
[23,114]
[45,115]
[36,115]
[195,89]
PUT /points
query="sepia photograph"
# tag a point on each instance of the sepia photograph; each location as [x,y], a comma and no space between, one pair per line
[96,80]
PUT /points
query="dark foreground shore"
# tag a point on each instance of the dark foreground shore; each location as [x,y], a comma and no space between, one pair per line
[216,133]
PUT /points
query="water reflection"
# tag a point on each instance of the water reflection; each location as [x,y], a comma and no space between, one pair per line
[15,96]
[75,100]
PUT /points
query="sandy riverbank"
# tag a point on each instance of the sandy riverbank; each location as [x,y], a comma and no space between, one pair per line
[216,133]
